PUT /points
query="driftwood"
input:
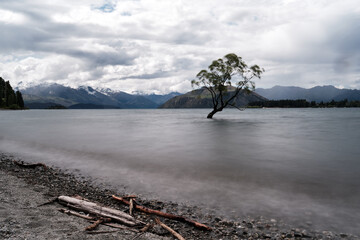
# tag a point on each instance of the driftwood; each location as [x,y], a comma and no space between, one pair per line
[69,212]
[166,215]
[143,230]
[113,225]
[97,223]
[147,227]
[34,165]
[172,231]
[131,206]
[98,210]
[101,232]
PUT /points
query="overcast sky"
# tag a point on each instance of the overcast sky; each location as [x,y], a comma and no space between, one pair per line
[160,45]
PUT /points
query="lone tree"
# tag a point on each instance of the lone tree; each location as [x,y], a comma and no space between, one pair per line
[224,73]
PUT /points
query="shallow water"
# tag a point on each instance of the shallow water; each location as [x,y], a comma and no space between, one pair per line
[299,165]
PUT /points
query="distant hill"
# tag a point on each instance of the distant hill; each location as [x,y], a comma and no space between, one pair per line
[42,105]
[91,106]
[87,98]
[160,99]
[318,93]
[201,98]
[126,100]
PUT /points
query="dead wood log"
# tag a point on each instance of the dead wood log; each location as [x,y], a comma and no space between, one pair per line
[98,210]
[166,215]
[113,225]
[172,231]
[34,165]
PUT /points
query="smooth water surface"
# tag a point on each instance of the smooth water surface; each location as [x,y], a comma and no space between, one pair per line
[299,165]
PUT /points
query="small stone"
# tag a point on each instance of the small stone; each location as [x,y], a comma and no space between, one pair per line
[343,235]
[298,235]
[266,236]
[260,227]
[249,225]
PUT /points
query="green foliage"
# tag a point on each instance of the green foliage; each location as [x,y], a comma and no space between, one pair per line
[19,99]
[14,107]
[56,106]
[224,73]
[300,103]
[8,98]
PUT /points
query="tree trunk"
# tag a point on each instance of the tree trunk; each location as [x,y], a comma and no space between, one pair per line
[211,114]
[215,110]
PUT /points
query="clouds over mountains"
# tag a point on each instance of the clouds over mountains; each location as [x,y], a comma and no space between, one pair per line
[158,46]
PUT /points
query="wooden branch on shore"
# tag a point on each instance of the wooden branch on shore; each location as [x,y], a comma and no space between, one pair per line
[101,232]
[172,231]
[166,215]
[131,208]
[143,230]
[97,223]
[92,219]
[98,210]
[34,165]
[147,227]
[69,212]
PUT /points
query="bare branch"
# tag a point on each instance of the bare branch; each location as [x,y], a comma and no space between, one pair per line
[172,231]
[233,105]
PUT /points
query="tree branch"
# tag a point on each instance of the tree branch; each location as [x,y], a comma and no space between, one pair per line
[233,105]
[213,94]
[162,214]
[172,231]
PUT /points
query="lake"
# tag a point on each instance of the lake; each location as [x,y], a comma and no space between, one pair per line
[298,165]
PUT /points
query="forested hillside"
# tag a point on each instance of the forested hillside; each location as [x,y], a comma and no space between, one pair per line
[9,99]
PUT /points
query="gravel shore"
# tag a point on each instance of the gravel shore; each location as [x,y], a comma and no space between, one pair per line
[23,189]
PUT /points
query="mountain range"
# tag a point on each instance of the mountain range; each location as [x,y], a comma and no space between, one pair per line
[44,96]
[317,94]
[201,98]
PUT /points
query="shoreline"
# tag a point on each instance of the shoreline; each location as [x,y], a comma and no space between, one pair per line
[52,182]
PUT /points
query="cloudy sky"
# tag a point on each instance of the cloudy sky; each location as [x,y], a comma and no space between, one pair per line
[160,45]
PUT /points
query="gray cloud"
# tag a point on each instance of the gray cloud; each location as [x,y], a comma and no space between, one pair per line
[160,74]
[94,42]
